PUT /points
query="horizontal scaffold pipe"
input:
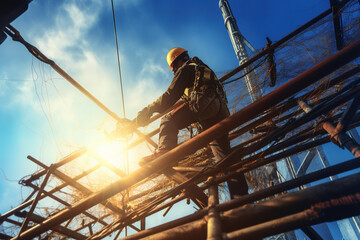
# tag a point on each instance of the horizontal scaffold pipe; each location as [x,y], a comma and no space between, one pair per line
[57,188]
[280,42]
[256,196]
[327,211]
[279,207]
[285,91]
[292,103]
[287,143]
[62,162]
[239,168]
[11,31]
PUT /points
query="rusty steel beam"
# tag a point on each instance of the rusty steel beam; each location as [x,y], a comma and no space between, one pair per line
[281,41]
[342,139]
[256,196]
[291,104]
[265,211]
[327,211]
[62,162]
[73,183]
[285,91]
[24,225]
[192,191]
[27,203]
[15,35]
[59,229]
[321,109]
[52,196]
[339,137]
[89,223]
[333,82]
[213,218]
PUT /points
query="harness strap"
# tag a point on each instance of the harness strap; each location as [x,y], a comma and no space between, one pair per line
[204,76]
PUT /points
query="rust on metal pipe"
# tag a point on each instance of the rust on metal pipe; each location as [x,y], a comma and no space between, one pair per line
[24,225]
[342,139]
[338,137]
[257,213]
[280,42]
[213,217]
[304,80]
[256,196]
[28,202]
[62,162]
[328,211]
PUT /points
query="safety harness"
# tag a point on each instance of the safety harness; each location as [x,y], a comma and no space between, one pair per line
[206,87]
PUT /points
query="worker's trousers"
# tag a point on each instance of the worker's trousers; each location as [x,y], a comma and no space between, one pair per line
[182,117]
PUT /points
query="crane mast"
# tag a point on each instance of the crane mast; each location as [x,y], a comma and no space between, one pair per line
[239,43]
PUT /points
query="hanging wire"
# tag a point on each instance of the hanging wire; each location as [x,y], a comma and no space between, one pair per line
[118,58]
[127,170]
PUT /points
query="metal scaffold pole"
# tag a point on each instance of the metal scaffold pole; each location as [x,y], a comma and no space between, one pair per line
[96,200]
[286,166]
[213,220]
[285,91]
[239,42]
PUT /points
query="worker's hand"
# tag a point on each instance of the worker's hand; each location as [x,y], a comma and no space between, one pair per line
[143,117]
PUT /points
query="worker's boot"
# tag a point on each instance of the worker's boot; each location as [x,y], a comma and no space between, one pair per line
[147,159]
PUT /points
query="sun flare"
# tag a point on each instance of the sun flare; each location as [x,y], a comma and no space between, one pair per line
[112,152]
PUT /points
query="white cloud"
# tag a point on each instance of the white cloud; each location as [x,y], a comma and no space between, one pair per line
[72,23]
[67,110]
[147,88]
[3,83]
[127,3]
[151,68]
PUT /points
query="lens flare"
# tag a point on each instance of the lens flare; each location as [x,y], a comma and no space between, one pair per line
[112,152]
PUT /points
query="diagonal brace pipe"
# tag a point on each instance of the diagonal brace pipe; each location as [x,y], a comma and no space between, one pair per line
[285,91]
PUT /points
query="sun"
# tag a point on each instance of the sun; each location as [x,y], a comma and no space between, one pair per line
[112,152]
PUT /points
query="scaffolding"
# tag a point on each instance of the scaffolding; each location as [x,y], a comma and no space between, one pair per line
[311,109]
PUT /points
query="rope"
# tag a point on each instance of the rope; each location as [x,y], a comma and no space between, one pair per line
[127,170]
[118,58]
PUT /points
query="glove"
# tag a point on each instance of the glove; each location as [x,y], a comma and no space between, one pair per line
[143,117]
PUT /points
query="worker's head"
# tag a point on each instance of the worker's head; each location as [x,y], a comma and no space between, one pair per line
[176,58]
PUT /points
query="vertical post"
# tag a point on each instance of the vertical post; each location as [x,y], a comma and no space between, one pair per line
[344,140]
[214,222]
[239,41]
[339,35]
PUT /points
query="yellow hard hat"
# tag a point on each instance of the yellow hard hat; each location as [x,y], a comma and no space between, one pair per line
[173,54]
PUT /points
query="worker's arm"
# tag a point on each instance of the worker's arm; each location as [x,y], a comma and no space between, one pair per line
[182,79]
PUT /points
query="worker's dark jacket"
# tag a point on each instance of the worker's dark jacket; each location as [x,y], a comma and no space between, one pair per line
[199,97]
[206,99]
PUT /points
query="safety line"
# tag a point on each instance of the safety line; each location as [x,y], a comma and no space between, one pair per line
[118,57]
[127,168]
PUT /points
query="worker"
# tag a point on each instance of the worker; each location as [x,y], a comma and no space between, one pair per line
[205,103]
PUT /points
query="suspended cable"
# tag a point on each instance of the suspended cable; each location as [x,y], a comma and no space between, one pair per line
[118,58]
[127,170]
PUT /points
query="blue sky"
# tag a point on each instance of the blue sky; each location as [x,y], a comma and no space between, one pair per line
[44,116]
